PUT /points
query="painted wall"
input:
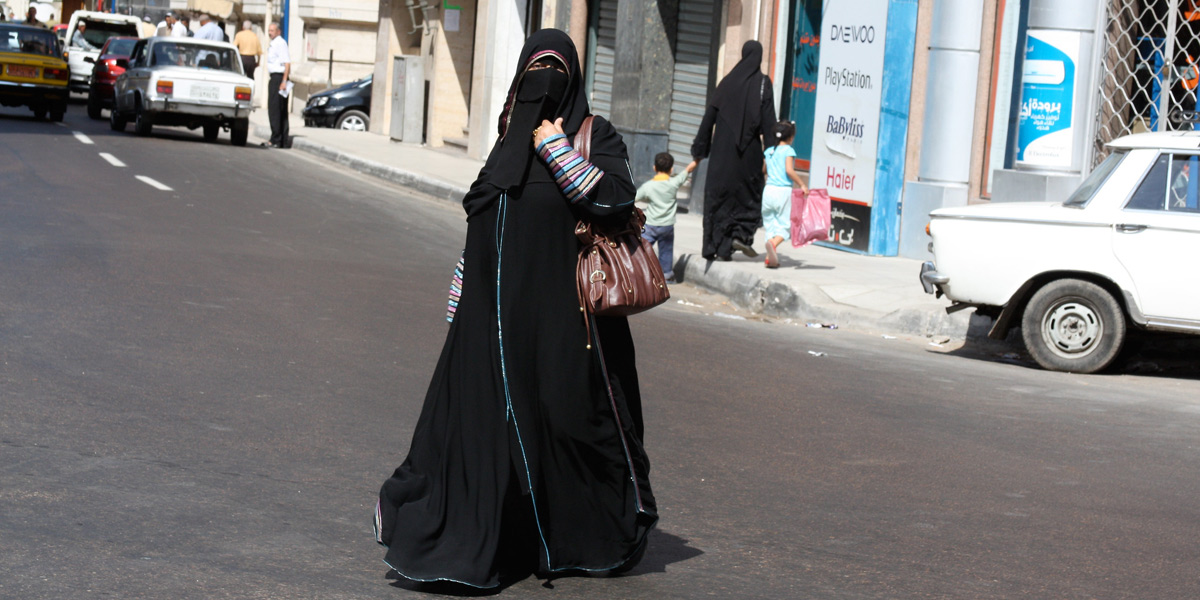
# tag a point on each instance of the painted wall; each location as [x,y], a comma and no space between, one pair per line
[450,77]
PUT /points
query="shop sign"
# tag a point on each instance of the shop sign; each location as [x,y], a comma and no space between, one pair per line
[1045,134]
[846,118]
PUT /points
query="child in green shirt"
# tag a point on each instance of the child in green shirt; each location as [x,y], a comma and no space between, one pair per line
[660,214]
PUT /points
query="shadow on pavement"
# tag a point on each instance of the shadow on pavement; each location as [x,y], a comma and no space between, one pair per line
[1146,354]
[664,549]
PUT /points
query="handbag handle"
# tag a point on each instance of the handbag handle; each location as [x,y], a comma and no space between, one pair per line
[583,139]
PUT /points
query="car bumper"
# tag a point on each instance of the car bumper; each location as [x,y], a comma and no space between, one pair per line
[931,280]
[199,109]
[319,116]
[25,94]
[102,92]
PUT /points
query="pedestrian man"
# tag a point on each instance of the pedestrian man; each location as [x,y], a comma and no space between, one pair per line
[249,47]
[209,29]
[78,40]
[170,26]
[31,17]
[187,26]
[279,67]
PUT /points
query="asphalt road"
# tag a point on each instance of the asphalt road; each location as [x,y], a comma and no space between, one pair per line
[202,388]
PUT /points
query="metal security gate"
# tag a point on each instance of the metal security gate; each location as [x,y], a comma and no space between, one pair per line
[689,86]
[605,58]
[1149,72]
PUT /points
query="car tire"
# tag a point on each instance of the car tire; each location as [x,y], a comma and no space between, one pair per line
[353,120]
[239,131]
[93,107]
[211,132]
[116,122]
[39,113]
[143,121]
[57,117]
[1073,325]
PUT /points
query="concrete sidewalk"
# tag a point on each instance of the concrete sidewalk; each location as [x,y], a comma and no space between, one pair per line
[814,283]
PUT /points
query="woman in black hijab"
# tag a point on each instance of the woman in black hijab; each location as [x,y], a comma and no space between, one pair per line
[527,456]
[742,108]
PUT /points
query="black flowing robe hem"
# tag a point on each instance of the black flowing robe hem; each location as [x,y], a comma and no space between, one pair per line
[734,185]
[518,402]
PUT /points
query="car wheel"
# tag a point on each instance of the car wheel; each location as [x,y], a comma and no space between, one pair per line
[39,113]
[93,106]
[239,131]
[353,120]
[143,122]
[1073,325]
[210,132]
[115,121]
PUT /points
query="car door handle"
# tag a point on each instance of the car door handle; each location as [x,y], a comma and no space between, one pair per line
[1130,228]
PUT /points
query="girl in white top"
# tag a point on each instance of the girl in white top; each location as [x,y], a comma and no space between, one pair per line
[780,165]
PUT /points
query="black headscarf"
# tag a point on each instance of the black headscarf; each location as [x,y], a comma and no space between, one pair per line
[533,96]
[738,97]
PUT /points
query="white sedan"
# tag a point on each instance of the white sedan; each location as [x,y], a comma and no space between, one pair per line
[1076,275]
[184,81]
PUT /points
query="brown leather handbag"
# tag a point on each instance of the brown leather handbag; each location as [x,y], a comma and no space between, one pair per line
[618,272]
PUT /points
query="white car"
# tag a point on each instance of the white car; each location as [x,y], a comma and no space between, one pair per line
[186,82]
[100,27]
[1076,275]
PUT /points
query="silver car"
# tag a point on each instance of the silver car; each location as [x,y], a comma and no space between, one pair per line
[184,82]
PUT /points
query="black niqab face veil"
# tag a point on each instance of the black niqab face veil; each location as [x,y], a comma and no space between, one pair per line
[536,95]
[738,97]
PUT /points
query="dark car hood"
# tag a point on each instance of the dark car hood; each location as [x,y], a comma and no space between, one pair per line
[345,87]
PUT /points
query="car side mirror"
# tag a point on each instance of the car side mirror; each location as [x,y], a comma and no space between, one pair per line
[123,63]
[89,59]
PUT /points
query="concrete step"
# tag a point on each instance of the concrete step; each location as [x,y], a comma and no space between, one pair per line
[456,142]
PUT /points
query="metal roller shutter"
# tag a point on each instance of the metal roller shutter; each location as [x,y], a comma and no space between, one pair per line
[606,43]
[689,87]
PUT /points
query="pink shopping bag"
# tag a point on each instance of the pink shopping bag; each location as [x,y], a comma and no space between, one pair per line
[810,216]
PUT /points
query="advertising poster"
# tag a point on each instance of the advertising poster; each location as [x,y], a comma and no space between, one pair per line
[846,117]
[805,74]
[1045,137]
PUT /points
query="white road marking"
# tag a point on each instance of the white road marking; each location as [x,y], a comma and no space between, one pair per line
[79,135]
[153,183]
[112,160]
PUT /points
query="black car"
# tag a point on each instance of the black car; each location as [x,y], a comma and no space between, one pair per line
[346,106]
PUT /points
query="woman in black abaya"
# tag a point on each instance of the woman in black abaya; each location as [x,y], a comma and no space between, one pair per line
[730,136]
[527,456]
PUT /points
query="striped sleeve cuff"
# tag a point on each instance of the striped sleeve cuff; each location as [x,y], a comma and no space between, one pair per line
[574,175]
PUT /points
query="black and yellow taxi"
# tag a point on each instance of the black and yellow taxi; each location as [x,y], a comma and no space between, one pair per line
[32,70]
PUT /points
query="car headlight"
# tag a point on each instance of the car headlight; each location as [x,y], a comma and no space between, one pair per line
[319,101]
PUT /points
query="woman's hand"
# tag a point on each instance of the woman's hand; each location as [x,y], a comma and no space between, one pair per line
[545,130]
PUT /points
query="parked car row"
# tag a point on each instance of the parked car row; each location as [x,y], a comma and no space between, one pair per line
[1077,276]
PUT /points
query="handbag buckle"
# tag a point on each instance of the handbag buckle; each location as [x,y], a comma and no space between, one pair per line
[597,275]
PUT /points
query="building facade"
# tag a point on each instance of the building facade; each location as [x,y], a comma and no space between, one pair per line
[901,106]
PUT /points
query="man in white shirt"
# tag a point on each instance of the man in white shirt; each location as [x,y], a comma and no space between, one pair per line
[279,67]
[78,41]
[209,30]
[170,26]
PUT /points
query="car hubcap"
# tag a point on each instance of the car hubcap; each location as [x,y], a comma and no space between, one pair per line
[354,124]
[1071,329]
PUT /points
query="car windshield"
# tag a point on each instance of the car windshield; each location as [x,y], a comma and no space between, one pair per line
[121,47]
[98,32]
[1088,188]
[27,40]
[195,55]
